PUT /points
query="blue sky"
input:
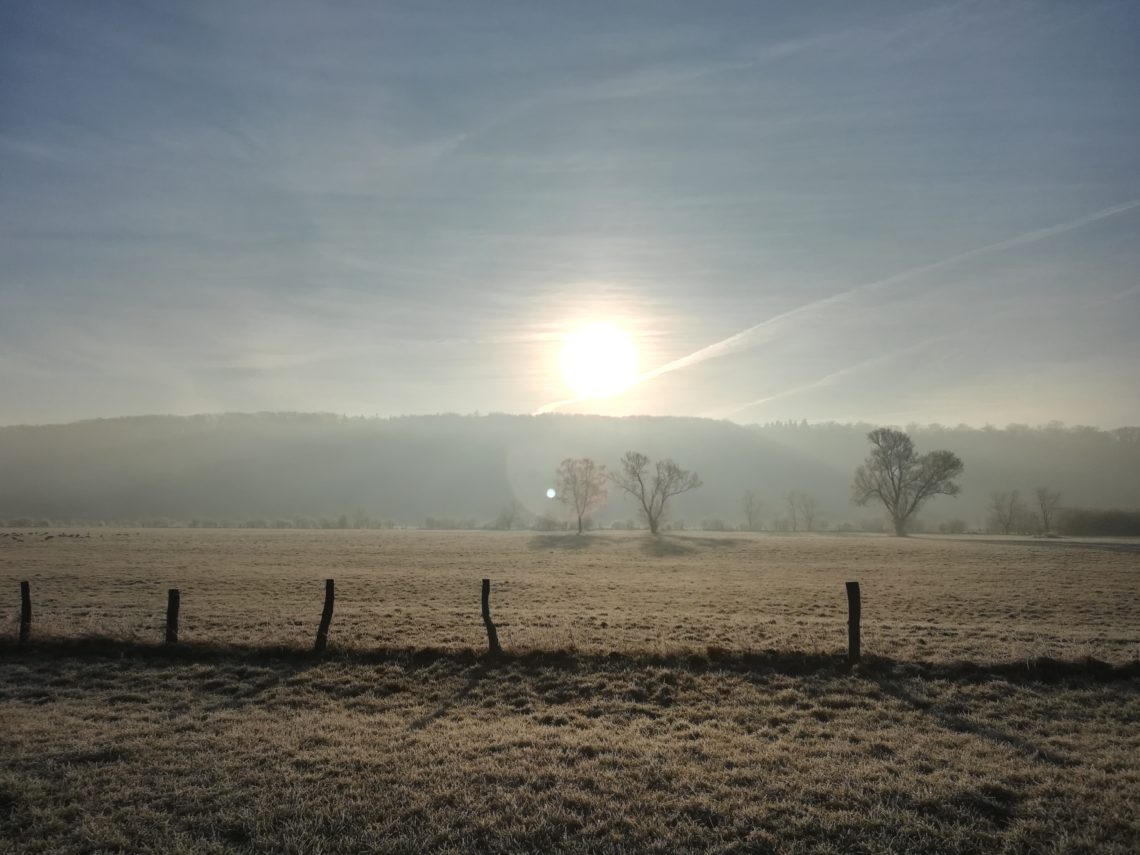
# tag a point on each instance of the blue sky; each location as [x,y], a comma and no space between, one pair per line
[892,212]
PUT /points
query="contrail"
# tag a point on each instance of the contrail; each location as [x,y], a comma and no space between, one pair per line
[764,330]
[831,378]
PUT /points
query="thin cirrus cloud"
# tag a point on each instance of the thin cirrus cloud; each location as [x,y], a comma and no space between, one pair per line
[403,209]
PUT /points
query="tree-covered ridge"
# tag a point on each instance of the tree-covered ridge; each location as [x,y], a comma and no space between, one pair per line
[405,469]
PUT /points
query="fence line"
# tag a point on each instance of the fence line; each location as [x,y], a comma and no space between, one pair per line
[174,601]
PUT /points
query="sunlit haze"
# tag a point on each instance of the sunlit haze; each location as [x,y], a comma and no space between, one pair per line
[598,361]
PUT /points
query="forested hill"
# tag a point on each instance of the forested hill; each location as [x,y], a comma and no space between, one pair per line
[281,465]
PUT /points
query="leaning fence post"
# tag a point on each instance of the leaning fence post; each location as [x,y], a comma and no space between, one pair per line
[172,603]
[492,633]
[326,619]
[854,610]
[25,611]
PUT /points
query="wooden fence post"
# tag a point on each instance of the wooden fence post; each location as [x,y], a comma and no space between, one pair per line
[172,603]
[326,619]
[492,633]
[25,611]
[854,612]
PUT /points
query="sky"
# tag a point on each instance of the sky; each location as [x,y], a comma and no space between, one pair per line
[883,212]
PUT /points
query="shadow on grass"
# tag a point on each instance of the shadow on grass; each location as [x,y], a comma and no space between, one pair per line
[562,541]
[673,545]
[788,662]
[1053,541]
[665,546]
[473,680]
[965,725]
[711,542]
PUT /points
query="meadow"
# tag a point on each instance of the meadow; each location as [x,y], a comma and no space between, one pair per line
[923,599]
[682,693]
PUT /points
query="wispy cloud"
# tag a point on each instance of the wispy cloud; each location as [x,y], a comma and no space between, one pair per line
[673,76]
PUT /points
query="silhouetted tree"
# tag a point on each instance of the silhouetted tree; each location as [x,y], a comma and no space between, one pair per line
[653,488]
[581,484]
[1047,503]
[902,479]
[752,507]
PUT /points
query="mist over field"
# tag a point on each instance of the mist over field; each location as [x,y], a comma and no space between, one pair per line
[277,466]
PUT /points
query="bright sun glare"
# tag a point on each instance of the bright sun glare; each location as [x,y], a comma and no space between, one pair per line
[598,361]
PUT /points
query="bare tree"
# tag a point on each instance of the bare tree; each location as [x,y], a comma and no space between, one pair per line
[653,488]
[751,507]
[581,484]
[900,478]
[809,510]
[802,509]
[1007,511]
[1047,502]
[792,501]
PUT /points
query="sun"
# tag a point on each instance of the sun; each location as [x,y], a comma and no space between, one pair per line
[598,361]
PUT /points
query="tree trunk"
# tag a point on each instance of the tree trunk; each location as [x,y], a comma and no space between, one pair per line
[579,523]
[900,528]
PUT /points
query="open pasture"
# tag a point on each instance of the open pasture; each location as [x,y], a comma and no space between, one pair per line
[609,726]
[938,600]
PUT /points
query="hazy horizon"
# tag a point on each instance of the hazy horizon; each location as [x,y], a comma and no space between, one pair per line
[1047,425]
[278,465]
[883,212]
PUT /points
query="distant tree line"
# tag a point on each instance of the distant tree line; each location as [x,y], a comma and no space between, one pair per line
[1072,522]
[1091,522]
